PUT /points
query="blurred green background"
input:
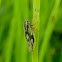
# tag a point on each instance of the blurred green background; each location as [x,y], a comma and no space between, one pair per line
[13,46]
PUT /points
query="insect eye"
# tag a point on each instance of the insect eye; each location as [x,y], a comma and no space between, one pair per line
[27,21]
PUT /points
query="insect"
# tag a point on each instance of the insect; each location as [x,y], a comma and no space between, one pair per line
[29,35]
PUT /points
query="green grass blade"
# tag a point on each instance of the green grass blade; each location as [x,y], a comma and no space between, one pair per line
[49,30]
[36,12]
[0,2]
[9,43]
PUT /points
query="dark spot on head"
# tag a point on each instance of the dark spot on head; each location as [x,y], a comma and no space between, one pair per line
[27,27]
[27,21]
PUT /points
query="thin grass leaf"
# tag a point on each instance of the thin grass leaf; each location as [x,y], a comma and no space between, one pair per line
[49,30]
[36,13]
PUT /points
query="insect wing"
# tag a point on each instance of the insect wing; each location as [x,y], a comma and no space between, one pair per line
[29,43]
[30,47]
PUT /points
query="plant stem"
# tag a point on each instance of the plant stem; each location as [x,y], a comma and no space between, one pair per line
[49,30]
[44,10]
[36,10]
